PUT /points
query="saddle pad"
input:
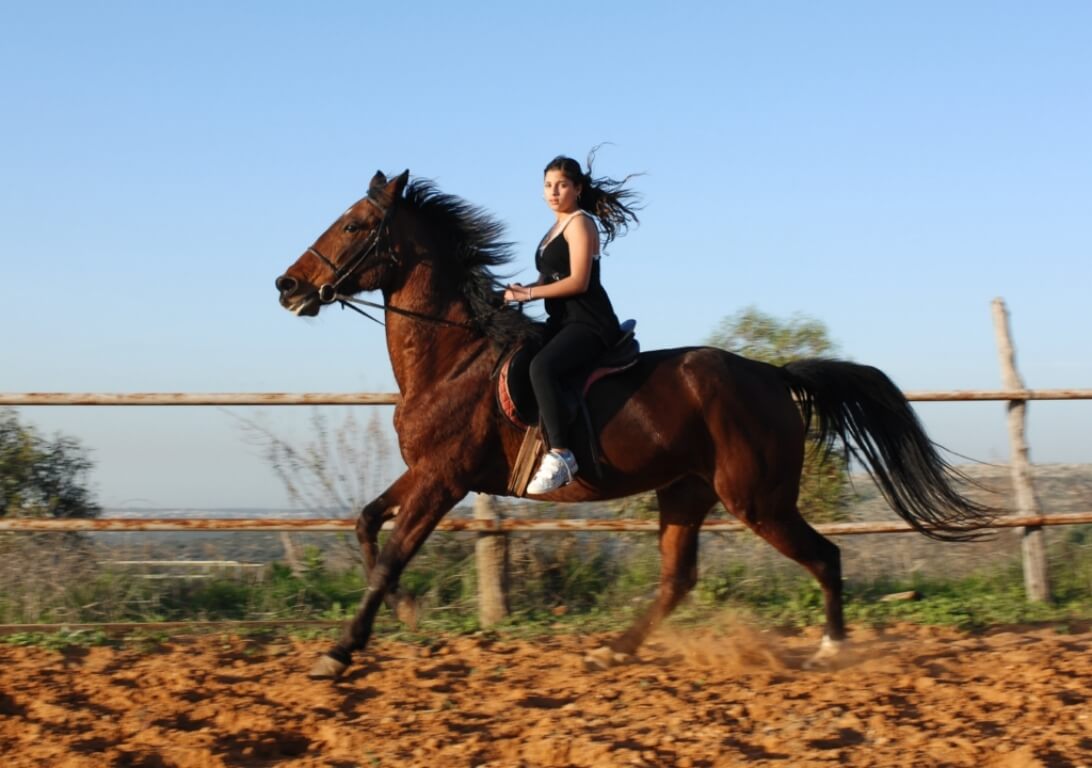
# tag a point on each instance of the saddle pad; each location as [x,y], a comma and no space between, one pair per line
[516,398]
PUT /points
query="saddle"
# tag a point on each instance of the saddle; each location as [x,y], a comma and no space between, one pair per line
[516,399]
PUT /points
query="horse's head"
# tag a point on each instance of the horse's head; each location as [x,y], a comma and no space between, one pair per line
[354,254]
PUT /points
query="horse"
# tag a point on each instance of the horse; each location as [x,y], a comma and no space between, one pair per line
[696,425]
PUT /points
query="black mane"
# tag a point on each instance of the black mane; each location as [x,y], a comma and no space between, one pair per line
[472,242]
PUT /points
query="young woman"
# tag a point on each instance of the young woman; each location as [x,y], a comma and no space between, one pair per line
[581,323]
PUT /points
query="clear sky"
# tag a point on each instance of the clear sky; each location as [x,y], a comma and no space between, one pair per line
[886,168]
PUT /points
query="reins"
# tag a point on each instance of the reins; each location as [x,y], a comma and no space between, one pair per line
[348,302]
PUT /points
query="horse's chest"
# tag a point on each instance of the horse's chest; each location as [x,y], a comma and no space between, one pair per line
[444,419]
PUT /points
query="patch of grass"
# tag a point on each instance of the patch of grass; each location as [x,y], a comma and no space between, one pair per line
[983,599]
[579,583]
[311,633]
[972,602]
[145,641]
[60,641]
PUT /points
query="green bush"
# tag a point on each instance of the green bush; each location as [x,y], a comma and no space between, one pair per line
[576,580]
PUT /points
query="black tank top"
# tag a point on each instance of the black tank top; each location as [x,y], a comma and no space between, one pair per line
[591,308]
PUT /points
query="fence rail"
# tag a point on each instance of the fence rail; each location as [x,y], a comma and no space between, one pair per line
[162,626]
[505,525]
[392,398]
[196,398]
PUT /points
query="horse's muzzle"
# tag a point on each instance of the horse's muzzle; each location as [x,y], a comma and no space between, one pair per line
[285,285]
[291,298]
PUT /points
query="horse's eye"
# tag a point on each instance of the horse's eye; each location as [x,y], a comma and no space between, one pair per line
[350,228]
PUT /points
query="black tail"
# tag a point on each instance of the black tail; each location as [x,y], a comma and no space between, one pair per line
[859,406]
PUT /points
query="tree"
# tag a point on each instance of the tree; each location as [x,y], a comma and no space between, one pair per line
[754,334]
[41,477]
[824,487]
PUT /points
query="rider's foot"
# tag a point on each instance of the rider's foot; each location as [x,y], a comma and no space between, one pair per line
[557,469]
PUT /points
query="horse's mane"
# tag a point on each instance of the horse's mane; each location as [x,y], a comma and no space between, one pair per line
[471,246]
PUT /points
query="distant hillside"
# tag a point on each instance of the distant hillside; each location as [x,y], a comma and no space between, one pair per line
[1059,487]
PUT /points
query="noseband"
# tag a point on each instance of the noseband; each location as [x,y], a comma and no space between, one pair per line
[328,292]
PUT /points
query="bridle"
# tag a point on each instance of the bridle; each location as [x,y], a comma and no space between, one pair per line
[328,292]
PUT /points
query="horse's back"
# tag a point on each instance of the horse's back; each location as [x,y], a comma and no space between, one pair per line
[701,375]
[689,400]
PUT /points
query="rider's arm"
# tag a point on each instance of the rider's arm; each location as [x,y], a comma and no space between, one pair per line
[583,239]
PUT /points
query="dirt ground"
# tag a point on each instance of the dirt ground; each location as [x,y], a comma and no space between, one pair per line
[906,696]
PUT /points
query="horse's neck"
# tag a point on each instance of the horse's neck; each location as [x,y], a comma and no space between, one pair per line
[425,351]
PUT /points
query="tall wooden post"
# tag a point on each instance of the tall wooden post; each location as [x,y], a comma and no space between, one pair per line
[491,554]
[1036,581]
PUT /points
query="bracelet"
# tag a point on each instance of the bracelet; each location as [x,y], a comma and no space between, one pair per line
[530,293]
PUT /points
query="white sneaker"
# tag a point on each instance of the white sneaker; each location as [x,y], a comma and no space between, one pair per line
[555,471]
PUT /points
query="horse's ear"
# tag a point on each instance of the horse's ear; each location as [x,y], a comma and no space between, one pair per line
[397,186]
[378,182]
[392,190]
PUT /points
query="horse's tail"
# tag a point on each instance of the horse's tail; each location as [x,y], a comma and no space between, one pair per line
[861,407]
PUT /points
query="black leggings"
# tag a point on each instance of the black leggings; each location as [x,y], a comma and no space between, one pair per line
[572,349]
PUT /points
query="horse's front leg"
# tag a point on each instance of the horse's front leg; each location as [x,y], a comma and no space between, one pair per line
[383,508]
[426,500]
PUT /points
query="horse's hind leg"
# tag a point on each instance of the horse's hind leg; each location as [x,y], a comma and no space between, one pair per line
[683,507]
[781,524]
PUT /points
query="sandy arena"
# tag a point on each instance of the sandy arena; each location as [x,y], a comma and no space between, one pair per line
[908,696]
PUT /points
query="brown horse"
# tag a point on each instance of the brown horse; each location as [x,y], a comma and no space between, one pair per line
[697,425]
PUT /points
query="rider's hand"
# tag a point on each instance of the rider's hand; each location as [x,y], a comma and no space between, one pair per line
[517,292]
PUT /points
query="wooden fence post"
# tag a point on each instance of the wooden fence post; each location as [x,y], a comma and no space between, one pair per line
[491,554]
[1036,581]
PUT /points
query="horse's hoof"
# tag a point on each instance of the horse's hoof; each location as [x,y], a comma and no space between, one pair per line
[605,657]
[828,654]
[327,668]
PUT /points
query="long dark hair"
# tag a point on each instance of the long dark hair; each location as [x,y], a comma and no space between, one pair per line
[605,198]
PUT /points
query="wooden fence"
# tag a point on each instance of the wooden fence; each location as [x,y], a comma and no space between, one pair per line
[1017,395]
[491,528]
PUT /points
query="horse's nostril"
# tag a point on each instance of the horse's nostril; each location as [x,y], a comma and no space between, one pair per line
[286,284]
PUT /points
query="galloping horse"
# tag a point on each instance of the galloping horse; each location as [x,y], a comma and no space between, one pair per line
[697,425]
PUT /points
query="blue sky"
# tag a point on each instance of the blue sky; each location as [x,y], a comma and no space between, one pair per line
[885,168]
